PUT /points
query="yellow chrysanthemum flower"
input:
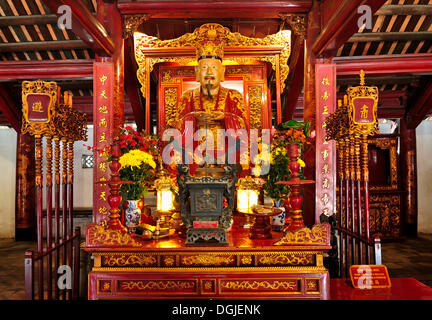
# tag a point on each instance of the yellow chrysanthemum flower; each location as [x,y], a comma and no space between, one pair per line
[302,163]
[136,158]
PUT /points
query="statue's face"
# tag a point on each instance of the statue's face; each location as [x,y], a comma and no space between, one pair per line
[210,70]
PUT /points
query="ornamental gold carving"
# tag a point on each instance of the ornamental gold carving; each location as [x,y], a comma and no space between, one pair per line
[286,260]
[207,260]
[234,44]
[171,111]
[318,235]
[129,260]
[255,106]
[162,285]
[244,285]
[98,235]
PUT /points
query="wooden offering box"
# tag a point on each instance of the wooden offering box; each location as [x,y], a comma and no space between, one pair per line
[128,267]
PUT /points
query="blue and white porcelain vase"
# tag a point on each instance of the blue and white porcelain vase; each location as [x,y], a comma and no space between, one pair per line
[133,214]
[278,222]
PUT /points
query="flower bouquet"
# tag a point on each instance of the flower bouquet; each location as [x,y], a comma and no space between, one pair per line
[140,154]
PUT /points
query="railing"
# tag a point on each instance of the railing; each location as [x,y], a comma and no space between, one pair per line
[355,244]
[66,286]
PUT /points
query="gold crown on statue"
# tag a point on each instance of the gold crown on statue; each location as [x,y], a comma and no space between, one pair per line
[210,41]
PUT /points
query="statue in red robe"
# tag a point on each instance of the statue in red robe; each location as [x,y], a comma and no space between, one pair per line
[212,107]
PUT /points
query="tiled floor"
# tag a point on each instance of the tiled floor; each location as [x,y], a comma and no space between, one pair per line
[408,258]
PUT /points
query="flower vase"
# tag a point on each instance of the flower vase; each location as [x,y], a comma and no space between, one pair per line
[132,214]
[278,221]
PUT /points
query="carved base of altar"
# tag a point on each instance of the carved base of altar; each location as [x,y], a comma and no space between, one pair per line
[131,268]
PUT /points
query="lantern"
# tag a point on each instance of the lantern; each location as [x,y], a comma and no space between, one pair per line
[164,197]
[247,194]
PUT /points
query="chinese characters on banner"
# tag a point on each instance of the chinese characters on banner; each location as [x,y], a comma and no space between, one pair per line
[102,135]
[325,84]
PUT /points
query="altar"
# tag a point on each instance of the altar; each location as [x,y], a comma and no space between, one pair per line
[132,268]
[225,247]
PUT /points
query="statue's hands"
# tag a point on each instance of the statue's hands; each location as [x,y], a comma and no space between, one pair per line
[207,116]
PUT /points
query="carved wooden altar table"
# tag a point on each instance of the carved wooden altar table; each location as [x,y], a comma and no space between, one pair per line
[127,267]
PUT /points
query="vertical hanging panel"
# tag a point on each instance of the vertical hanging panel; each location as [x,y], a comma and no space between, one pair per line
[103,85]
[325,84]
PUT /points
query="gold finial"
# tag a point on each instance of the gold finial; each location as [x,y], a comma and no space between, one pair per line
[339,103]
[345,100]
[362,77]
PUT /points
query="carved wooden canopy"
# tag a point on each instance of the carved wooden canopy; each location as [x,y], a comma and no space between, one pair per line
[238,49]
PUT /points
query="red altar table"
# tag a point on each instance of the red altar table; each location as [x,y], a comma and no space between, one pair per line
[127,267]
[401,289]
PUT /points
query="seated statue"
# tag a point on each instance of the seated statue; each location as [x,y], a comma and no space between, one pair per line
[210,106]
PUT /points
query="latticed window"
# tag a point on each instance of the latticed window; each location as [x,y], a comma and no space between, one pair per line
[87,161]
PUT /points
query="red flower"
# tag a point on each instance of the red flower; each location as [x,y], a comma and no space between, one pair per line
[129,128]
[133,143]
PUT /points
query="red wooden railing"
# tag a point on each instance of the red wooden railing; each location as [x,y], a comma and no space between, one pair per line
[355,244]
[60,257]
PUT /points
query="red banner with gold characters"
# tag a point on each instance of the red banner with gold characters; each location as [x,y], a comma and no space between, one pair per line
[325,90]
[103,84]
[363,109]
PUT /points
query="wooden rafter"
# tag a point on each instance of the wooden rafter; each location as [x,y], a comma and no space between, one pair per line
[86,26]
[341,26]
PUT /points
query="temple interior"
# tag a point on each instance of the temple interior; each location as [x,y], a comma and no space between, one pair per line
[271,150]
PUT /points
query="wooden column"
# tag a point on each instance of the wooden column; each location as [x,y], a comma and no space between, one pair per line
[313,28]
[409,178]
[25,189]
[111,19]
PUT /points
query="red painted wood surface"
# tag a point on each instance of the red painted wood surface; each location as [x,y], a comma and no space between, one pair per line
[216,8]
[395,64]
[401,289]
[55,69]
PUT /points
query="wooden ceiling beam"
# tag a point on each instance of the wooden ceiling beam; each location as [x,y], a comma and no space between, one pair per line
[341,26]
[10,111]
[391,36]
[390,79]
[421,107]
[215,8]
[28,20]
[43,45]
[385,64]
[86,26]
[405,10]
[47,69]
